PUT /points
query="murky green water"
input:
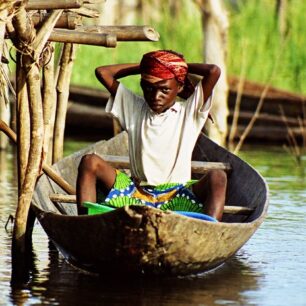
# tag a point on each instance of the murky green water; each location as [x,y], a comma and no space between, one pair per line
[269,270]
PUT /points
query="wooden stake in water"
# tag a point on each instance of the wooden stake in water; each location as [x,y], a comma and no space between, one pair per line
[29,40]
[62,89]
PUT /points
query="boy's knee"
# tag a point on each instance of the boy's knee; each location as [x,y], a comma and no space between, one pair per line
[89,162]
[218,177]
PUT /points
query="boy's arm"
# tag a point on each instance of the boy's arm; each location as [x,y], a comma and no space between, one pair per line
[210,74]
[108,75]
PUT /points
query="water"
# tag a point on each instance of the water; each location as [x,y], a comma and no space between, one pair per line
[269,270]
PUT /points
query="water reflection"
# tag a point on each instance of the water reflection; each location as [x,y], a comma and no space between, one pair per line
[270,270]
[61,284]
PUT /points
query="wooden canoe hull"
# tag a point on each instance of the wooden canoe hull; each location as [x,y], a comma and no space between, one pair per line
[139,239]
[145,240]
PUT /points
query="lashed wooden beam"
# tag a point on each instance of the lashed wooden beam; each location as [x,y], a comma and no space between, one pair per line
[93,1]
[53,5]
[95,39]
[125,33]
[66,21]
[86,12]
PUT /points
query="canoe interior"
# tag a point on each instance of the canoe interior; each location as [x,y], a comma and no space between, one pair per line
[147,240]
[245,185]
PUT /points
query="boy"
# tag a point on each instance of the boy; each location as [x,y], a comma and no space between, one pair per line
[162,133]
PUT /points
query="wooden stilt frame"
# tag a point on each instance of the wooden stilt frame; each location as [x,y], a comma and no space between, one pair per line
[62,88]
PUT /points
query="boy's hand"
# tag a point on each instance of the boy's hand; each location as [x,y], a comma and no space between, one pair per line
[108,75]
[188,89]
[210,74]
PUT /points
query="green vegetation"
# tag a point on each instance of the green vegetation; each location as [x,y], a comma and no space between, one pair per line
[253,33]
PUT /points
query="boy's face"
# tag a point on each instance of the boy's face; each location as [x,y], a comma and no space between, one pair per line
[160,95]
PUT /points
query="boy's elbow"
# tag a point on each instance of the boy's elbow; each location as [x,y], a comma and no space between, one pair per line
[99,73]
[103,75]
[215,71]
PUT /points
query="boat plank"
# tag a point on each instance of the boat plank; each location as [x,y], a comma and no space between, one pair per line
[197,167]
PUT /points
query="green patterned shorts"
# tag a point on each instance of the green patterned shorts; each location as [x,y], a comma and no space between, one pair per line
[169,196]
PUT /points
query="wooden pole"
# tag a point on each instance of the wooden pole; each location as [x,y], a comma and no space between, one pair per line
[44,32]
[125,33]
[49,104]
[215,29]
[86,12]
[62,89]
[4,107]
[31,45]
[22,122]
[95,39]
[282,17]
[67,20]
[53,5]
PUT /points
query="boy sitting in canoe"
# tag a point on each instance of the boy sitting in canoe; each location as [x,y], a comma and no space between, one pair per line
[162,132]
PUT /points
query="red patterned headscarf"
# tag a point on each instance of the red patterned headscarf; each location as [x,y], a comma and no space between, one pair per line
[163,65]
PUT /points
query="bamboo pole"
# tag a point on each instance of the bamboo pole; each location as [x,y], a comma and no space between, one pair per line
[53,5]
[215,29]
[44,32]
[31,45]
[67,20]
[4,114]
[62,89]
[66,36]
[22,123]
[49,105]
[93,1]
[86,12]
[3,16]
[4,109]
[33,166]
[125,33]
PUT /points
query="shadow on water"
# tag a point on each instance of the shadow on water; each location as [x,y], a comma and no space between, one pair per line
[62,284]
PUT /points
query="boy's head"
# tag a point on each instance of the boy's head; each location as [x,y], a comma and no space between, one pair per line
[163,75]
[163,65]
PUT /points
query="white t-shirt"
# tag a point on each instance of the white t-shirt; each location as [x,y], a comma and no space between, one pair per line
[160,145]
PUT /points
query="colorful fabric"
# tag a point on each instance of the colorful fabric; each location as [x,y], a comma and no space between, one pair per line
[170,196]
[163,65]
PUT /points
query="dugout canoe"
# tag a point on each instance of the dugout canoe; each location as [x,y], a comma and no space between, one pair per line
[139,239]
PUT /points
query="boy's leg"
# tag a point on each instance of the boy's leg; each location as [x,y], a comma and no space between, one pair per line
[211,191]
[93,168]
